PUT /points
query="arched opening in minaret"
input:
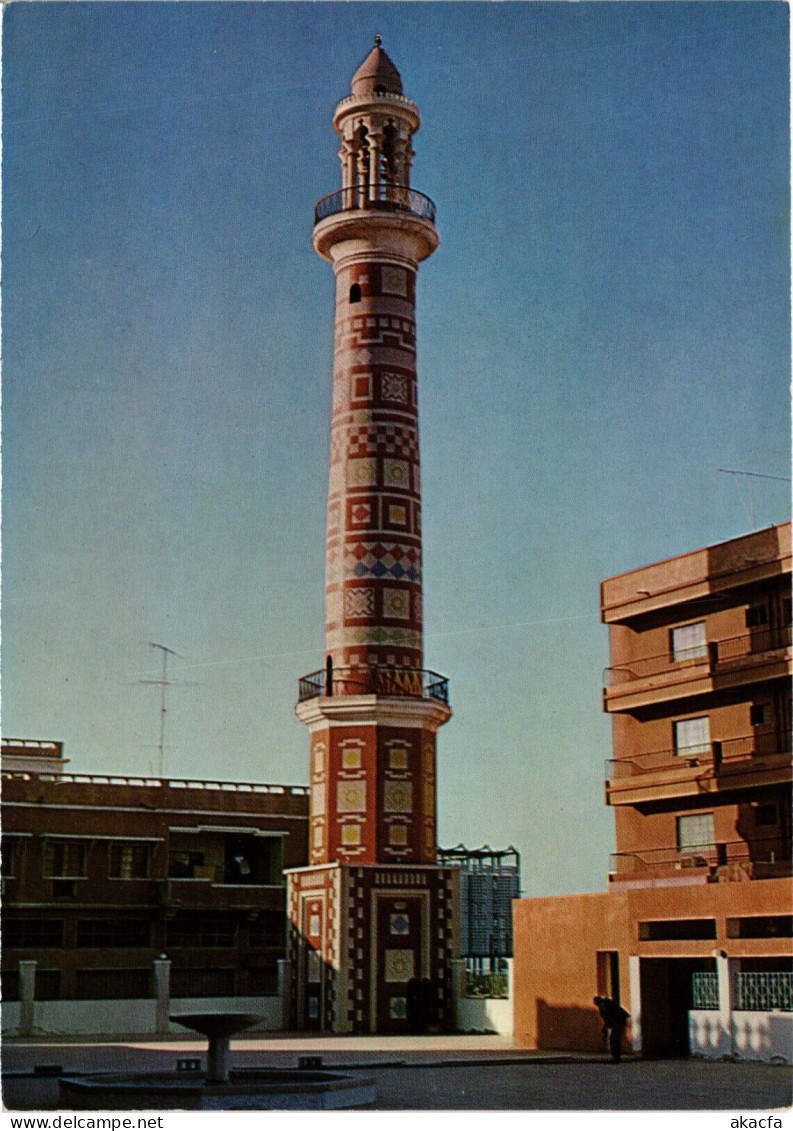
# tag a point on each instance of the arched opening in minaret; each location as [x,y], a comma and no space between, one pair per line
[389,170]
[355,293]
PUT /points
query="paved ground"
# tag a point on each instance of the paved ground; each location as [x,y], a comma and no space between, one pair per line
[443,1073]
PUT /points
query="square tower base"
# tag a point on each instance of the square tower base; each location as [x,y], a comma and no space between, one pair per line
[372,947]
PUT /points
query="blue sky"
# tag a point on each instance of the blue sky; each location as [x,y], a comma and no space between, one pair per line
[606,324]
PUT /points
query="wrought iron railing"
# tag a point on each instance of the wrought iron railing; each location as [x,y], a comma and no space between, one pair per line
[716,652]
[411,683]
[768,852]
[705,989]
[764,990]
[711,755]
[382,197]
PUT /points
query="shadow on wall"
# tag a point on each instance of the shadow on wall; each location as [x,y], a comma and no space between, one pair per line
[571,1028]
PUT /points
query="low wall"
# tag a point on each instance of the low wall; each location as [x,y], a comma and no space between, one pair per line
[132,1017]
[493,1014]
[754,1036]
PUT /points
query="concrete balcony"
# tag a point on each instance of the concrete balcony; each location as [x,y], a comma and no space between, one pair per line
[735,662]
[733,861]
[739,763]
[205,895]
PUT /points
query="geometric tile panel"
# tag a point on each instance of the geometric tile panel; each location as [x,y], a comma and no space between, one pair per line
[397,796]
[399,965]
[396,473]
[351,796]
[358,602]
[396,604]
[394,387]
[382,559]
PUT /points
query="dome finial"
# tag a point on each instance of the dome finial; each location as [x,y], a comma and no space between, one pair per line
[378,41]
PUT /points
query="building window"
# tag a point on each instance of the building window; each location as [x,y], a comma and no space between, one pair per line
[756,615]
[23,934]
[99,985]
[656,930]
[202,983]
[765,815]
[696,833]
[8,847]
[760,927]
[112,932]
[65,859]
[692,736]
[48,985]
[355,293]
[201,931]
[129,861]
[758,714]
[688,642]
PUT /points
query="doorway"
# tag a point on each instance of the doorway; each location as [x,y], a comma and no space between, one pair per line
[666,986]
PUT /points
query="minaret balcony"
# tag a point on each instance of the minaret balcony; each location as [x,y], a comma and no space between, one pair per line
[383,197]
[403,683]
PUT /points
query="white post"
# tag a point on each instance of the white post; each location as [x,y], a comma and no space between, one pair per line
[723,975]
[162,982]
[27,997]
[634,975]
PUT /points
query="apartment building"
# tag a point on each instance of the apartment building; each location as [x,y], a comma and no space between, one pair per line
[122,891]
[695,933]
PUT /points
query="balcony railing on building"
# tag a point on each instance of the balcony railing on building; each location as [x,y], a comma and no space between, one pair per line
[383,197]
[764,991]
[768,858]
[705,989]
[712,756]
[411,683]
[734,651]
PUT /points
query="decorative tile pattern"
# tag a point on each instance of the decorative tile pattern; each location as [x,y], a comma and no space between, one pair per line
[399,965]
[398,1008]
[398,758]
[393,281]
[394,387]
[382,559]
[351,796]
[350,835]
[361,472]
[397,796]
[400,924]
[358,602]
[398,835]
[396,473]
[351,758]
[396,604]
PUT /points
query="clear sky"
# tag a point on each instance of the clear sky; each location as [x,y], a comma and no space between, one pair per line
[606,324]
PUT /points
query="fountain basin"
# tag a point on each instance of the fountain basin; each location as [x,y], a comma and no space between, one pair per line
[248,1089]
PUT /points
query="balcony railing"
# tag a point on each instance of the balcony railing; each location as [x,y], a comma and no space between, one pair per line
[711,655]
[764,990]
[712,756]
[382,197]
[768,856]
[411,683]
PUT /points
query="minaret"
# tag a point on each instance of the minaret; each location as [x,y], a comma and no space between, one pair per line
[373,711]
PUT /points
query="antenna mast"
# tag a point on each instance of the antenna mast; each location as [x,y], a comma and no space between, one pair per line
[750,475]
[162,683]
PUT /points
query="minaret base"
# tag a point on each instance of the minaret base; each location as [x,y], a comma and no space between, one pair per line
[371,948]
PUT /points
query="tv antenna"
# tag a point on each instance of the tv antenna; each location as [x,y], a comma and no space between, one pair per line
[750,475]
[163,682]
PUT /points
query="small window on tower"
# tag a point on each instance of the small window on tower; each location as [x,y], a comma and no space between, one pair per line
[355,293]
